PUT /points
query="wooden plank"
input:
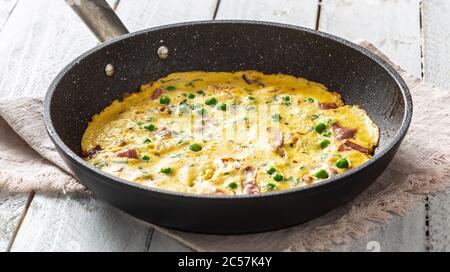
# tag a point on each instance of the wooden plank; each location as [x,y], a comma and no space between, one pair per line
[436,38]
[392,26]
[32,52]
[6,6]
[12,208]
[302,13]
[77,223]
[162,243]
[141,14]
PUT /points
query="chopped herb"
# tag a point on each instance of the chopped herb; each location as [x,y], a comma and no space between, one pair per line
[166,170]
[250,108]
[276,117]
[270,186]
[183,108]
[211,101]
[223,107]
[147,141]
[149,119]
[320,127]
[327,134]
[150,127]
[191,96]
[165,100]
[251,98]
[145,158]
[287,98]
[232,185]
[195,147]
[342,163]
[278,177]
[309,99]
[139,123]
[324,143]
[201,92]
[201,112]
[321,174]
[271,170]
[314,116]
[171,88]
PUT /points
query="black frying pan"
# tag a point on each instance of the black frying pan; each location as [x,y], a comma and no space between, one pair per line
[82,89]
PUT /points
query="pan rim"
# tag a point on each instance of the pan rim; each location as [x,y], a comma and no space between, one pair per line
[406,95]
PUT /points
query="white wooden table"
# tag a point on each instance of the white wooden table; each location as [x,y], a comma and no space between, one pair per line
[39,37]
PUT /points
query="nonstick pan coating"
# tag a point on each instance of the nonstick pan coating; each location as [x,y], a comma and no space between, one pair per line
[82,90]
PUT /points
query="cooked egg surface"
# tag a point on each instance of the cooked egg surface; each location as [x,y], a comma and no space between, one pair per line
[229,133]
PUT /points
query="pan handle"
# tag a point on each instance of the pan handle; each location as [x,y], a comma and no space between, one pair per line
[99,17]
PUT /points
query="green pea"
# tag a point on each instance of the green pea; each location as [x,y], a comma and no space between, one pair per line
[320,127]
[278,177]
[165,100]
[270,186]
[191,96]
[271,170]
[166,170]
[195,147]
[150,127]
[145,158]
[287,98]
[232,185]
[324,143]
[223,107]
[321,174]
[342,163]
[276,117]
[211,101]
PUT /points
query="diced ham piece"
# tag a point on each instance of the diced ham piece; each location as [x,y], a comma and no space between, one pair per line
[275,138]
[163,133]
[356,147]
[89,154]
[343,147]
[333,171]
[281,152]
[343,133]
[130,153]
[250,186]
[156,93]
[327,106]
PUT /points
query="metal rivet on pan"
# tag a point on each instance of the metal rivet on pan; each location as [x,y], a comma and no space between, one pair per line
[163,52]
[109,70]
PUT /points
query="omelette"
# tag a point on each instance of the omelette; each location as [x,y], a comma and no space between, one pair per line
[223,133]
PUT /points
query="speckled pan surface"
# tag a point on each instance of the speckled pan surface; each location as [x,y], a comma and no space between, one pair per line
[82,90]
